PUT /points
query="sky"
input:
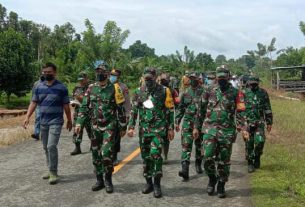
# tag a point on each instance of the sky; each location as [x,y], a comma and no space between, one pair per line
[212,26]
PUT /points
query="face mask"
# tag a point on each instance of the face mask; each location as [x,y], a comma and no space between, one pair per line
[42,78]
[101,77]
[49,77]
[254,87]
[150,84]
[164,82]
[194,83]
[222,83]
[113,79]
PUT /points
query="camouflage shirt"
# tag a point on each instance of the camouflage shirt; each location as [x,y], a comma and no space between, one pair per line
[152,120]
[103,106]
[258,108]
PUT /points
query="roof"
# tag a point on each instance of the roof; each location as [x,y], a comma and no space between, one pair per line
[289,68]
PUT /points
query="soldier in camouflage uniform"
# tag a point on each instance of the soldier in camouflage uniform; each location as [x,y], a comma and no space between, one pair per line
[220,105]
[188,109]
[78,94]
[165,81]
[151,103]
[258,113]
[105,103]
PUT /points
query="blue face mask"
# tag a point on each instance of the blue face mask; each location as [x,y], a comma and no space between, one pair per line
[113,79]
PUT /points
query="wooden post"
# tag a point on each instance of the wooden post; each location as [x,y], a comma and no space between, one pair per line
[277,80]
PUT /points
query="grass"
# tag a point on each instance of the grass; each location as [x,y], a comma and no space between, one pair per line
[281,181]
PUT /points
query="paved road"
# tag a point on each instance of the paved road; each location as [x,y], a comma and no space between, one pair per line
[22,165]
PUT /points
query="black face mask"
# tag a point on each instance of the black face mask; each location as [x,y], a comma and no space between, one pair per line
[194,83]
[222,83]
[254,87]
[150,84]
[101,77]
[49,77]
[42,78]
[164,82]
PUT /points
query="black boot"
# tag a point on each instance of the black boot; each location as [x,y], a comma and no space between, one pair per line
[99,185]
[257,161]
[221,189]
[76,150]
[157,187]
[251,168]
[184,173]
[108,182]
[165,150]
[115,159]
[211,184]
[149,187]
[198,166]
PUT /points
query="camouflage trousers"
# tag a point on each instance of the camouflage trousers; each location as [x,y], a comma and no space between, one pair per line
[220,148]
[187,145]
[151,149]
[102,150]
[256,142]
[77,138]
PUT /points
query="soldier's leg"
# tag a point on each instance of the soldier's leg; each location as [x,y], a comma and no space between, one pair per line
[77,138]
[223,168]
[96,147]
[144,143]
[198,154]
[107,152]
[209,147]
[187,144]
[259,142]
[156,170]
[116,146]
[250,150]
[165,147]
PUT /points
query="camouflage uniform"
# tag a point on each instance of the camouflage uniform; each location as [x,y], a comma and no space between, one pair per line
[77,138]
[258,113]
[220,105]
[188,108]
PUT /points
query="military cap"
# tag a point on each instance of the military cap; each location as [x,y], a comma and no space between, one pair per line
[82,76]
[253,79]
[211,74]
[150,72]
[116,72]
[193,74]
[222,71]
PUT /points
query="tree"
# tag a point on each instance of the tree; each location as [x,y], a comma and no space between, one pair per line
[271,48]
[13,21]
[205,61]
[220,60]
[16,71]
[139,49]
[2,18]
[112,40]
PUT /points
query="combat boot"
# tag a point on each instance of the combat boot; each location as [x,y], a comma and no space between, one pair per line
[53,179]
[221,189]
[198,166]
[251,168]
[157,187]
[108,182]
[165,150]
[76,150]
[257,161]
[211,184]
[184,173]
[149,187]
[99,185]
[115,159]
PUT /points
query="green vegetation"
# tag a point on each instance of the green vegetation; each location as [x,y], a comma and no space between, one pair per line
[281,182]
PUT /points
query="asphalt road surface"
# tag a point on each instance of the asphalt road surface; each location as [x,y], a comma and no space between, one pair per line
[22,166]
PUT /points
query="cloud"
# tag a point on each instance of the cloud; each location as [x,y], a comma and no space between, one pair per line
[213,26]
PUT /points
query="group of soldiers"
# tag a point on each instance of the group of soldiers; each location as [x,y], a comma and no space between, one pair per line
[212,111]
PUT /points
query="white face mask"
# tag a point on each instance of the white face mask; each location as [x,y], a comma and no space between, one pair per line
[113,79]
[148,104]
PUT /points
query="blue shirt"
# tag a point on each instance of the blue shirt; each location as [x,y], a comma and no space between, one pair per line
[51,100]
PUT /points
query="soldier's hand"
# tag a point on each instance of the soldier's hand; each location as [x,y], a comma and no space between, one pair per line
[170,134]
[26,123]
[245,135]
[77,129]
[130,132]
[269,127]
[69,125]
[177,128]
[238,128]
[195,134]
[122,133]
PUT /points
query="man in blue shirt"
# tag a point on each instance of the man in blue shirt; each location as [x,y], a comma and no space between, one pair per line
[52,98]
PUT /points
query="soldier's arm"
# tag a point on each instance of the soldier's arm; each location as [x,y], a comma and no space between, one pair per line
[180,110]
[134,111]
[201,109]
[267,109]
[83,113]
